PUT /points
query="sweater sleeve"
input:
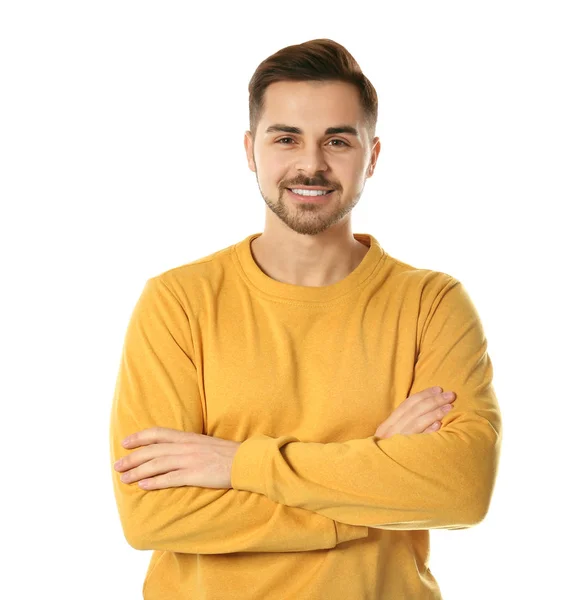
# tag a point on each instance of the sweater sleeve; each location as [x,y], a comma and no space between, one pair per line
[440,480]
[157,385]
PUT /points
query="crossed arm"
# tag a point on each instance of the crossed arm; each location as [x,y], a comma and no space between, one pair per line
[190,519]
[305,496]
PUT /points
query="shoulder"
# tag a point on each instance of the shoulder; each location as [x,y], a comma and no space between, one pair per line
[420,281]
[190,283]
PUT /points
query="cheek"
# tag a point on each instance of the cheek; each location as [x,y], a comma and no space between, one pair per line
[272,165]
[277,171]
[347,168]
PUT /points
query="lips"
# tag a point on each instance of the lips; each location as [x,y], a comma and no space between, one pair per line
[309,199]
[328,190]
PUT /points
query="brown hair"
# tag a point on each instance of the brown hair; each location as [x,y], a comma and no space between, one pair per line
[314,60]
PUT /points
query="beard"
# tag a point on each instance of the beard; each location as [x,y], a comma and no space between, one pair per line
[310,218]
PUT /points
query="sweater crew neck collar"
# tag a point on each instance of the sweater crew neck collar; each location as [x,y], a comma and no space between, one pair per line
[257,279]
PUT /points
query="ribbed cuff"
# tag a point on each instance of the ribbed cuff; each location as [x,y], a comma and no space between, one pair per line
[247,468]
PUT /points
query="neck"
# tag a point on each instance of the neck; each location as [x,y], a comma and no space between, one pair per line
[308,260]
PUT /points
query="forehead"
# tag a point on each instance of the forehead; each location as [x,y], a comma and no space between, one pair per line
[312,103]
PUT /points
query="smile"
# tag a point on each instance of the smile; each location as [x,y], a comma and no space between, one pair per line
[314,196]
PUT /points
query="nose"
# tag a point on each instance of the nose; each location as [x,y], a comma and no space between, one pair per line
[311,160]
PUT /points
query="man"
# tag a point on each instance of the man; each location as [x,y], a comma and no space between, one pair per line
[287,437]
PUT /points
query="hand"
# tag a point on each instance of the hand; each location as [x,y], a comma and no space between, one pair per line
[419,413]
[172,458]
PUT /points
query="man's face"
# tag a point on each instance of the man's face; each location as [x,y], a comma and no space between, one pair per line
[308,155]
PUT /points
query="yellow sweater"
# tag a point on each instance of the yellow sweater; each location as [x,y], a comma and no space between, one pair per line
[321,508]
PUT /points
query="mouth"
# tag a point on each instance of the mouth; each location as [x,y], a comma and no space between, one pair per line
[310,197]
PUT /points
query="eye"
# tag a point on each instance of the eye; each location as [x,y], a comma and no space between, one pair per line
[335,140]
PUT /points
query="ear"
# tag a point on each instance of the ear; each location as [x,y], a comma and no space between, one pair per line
[374,155]
[248,144]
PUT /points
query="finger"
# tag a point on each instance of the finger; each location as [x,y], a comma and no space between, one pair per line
[157,435]
[146,453]
[412,408]
[428,407]
[434,427]
[157,466]
[444,398]
[430,419]
[415,399]
[175,478]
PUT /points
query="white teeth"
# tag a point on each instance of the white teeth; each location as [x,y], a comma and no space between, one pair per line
[310,192]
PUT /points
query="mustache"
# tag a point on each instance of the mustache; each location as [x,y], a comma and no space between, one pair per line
[312,183]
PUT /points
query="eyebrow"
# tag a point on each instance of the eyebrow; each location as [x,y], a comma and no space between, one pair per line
[330,131]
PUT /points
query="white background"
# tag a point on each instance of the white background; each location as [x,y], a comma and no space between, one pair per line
[121,155]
